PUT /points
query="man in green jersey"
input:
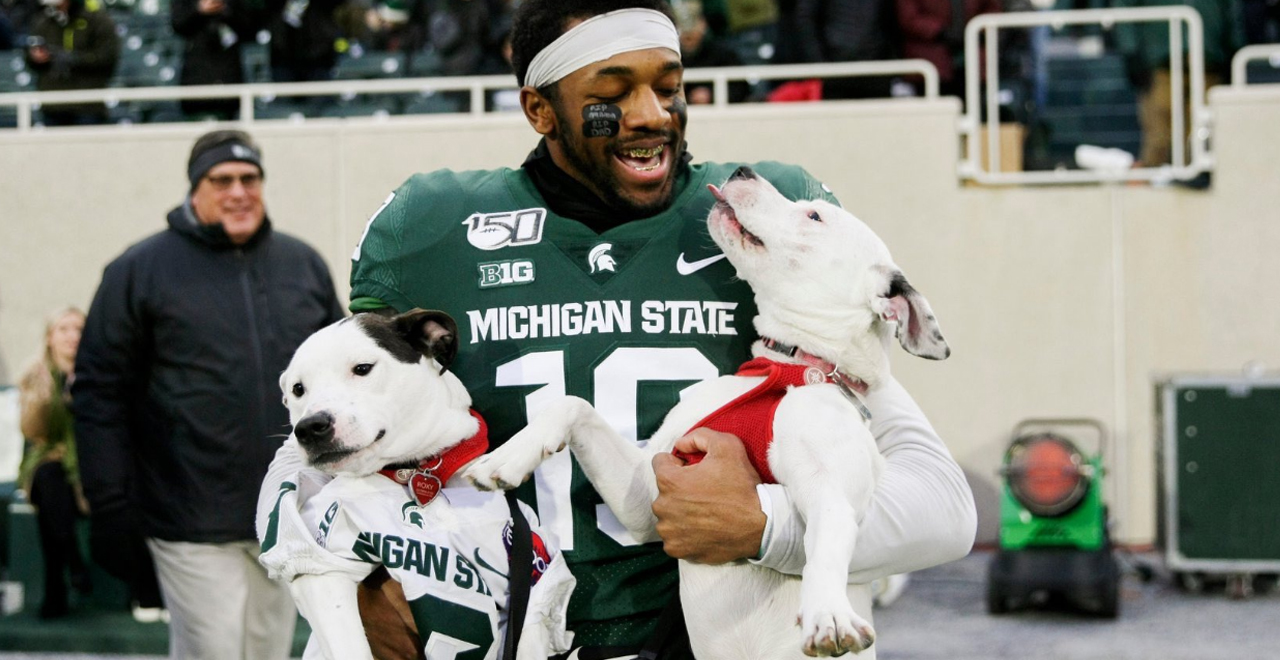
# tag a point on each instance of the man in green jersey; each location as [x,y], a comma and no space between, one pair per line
[589,271]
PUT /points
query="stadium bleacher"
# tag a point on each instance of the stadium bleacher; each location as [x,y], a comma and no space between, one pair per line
[1088,100]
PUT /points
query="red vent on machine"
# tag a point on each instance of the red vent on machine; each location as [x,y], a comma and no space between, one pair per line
[1047,474]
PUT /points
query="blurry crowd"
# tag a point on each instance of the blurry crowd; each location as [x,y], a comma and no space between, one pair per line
[75,44]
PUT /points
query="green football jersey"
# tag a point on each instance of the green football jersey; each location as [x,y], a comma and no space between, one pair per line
[546,307]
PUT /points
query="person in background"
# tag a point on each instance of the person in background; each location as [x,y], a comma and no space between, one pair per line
[849,31]
[213,31]
[934,30]
[1261,21]
[8,36]
[49,474]
[1145,47]
[177,405]
[701,49]
[304,34]
[70,47]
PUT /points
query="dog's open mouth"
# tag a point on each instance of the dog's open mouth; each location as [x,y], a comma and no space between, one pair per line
[726,209]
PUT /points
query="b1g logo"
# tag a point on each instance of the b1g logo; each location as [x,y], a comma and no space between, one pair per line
[505,273]
[490,231]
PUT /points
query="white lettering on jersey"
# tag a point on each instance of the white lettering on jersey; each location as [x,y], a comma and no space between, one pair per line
[675,317]
[490,231]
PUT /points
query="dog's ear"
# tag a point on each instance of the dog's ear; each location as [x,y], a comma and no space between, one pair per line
[431,332]
[917,327]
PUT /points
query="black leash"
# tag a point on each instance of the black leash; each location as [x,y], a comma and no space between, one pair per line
[519,576]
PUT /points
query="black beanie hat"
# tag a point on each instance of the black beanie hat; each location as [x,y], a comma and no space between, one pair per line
[219,147]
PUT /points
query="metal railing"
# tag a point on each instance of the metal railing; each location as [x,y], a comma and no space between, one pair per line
[985,27]
[476,86]
[1240,63]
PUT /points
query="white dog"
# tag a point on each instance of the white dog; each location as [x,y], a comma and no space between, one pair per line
[371,403]
[829,298]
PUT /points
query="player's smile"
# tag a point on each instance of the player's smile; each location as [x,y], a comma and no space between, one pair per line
[620,128]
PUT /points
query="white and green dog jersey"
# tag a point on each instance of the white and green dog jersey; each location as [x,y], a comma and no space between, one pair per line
[450,556]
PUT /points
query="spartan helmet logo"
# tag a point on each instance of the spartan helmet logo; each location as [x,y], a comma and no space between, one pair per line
[412,514]
[600,259]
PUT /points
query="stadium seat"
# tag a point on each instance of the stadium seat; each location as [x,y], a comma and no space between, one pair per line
[1088,100]
[281,108]
[358,65]
[256,60]
[14,76]
[360,107]
[1263,72]
[438,102]
[424,64]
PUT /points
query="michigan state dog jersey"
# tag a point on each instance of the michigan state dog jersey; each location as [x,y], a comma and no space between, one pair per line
[546,307]
[450,556]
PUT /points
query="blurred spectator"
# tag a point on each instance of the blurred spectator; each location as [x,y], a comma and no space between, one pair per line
[304,35]
[934,30]
[458,31]
[8,36]
[497,51]
[18,14]
[396,26]
[701,49]
[176,381]
[48,472]
[849,31]
[1262,21]
[1145,47]
[70,47]
[751,28]
[213,31]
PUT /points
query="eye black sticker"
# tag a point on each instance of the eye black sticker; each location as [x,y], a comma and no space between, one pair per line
[601,120]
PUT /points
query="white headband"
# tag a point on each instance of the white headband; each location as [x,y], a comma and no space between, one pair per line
[598,38]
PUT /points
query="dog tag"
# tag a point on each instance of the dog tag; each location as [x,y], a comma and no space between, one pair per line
[424,486]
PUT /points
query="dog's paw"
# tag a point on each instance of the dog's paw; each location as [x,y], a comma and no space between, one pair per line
[834,631]
[511,464]
[485,476]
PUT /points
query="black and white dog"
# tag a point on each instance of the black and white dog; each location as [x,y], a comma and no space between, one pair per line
[830,298]
[385,428]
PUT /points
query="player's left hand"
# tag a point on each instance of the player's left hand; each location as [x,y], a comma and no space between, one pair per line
[708,512]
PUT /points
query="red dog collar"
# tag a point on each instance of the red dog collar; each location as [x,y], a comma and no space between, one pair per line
[426,480]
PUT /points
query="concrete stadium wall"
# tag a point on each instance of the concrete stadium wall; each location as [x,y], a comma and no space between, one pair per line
[1057,301]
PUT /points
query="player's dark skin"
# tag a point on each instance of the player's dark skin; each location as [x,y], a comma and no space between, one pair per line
[707,512]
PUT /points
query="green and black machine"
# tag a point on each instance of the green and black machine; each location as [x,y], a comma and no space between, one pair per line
[1055,547]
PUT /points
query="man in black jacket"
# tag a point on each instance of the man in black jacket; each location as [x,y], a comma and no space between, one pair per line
[177,406]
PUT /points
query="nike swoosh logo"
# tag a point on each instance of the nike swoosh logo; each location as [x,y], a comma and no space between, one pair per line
[690,267]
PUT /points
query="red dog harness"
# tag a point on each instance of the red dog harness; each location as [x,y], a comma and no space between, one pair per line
[750,416]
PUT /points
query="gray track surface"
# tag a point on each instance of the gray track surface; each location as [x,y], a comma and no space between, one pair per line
[942,616]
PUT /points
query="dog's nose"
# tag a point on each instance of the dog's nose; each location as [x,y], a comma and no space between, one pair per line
[314,429]
[743,172]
